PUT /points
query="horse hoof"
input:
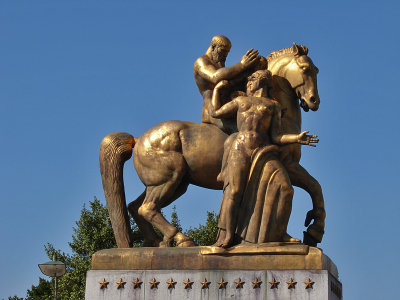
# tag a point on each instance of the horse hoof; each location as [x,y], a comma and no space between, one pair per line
[183,240]
[165,243]
[188,243]
[316,232]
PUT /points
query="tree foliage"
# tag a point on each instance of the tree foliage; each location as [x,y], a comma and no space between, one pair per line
[93,232]
[205,235]
[44,290]
[15,298]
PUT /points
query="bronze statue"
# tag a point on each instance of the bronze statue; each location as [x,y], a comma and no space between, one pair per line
[294,76]
[173,154]
[259,125]
[210,69]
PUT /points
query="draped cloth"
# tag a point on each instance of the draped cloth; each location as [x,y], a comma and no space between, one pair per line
[267,187]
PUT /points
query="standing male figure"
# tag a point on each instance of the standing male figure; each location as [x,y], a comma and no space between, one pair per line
[210,69]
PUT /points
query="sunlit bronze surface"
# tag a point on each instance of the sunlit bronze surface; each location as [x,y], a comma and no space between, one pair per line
[173,154]
[271,256]
[294,76]
[259,127]
[210,69]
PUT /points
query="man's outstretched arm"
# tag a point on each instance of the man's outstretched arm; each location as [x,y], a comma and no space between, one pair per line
[279,138]
[211,74]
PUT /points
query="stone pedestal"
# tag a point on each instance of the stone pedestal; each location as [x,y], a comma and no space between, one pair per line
[267,271]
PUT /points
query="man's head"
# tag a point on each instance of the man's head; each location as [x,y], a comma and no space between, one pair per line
[257,81]
[219,49]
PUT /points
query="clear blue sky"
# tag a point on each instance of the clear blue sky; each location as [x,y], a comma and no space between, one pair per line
[73,71]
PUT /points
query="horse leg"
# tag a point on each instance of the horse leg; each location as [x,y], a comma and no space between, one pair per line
[301,178]
[163,194]
[151,239]
[180,239]
[178,192]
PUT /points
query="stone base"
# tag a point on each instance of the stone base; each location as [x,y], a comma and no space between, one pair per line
[249,264]
[269,256]
[322,285]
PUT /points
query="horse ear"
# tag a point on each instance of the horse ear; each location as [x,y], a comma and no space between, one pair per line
[295,49]
[304,49]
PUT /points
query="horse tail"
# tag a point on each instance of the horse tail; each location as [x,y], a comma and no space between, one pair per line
[115,150]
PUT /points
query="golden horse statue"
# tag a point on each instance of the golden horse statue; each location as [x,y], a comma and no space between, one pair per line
[173,154]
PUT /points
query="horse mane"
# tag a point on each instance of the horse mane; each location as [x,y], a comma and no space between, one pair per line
[278,53]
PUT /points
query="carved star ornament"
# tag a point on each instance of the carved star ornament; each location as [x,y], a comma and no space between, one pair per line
[154,283]
[103,283]
[120,284]
[205,283]
[309,283]
[222,283]
[171,283]
[188,284]
[239,283]
[291,284]
[274,284]
[256,283]
[137,283]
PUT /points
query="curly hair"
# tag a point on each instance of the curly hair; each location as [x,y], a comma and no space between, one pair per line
[220,40]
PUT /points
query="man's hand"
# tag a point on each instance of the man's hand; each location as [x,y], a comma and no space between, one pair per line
[250,58]
[305,139]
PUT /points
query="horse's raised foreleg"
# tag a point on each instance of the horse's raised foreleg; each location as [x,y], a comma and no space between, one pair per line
[301,178]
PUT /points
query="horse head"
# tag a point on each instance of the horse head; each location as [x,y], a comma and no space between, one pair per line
[299,72]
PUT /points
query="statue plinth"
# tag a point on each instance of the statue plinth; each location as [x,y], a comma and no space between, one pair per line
[249,263]
[268,256]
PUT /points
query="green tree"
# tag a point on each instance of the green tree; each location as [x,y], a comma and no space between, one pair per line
[175,219]
[93,232]
[44,290]
[205,235]
[15,298]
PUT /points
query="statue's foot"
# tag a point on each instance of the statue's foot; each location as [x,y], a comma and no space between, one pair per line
[183,240]
[219,243]
[288,238]
[226,243]
[220,238]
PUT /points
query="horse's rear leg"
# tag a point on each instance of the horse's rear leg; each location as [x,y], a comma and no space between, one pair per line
[150,210]
[151,239]
[160,196]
